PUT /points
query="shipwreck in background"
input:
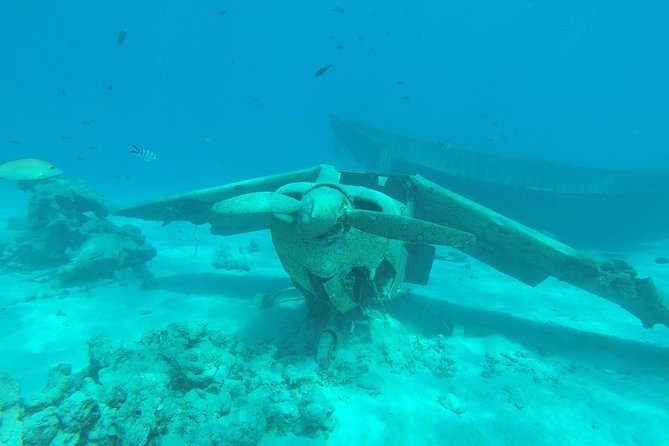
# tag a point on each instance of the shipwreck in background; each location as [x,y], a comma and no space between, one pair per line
[582,206]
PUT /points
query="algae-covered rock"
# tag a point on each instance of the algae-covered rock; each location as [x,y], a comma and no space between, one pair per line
[78,412]
[435,356]
[102,354]
[245,427]
[283,416]
[70,198]
[61,383]
[185,385]
[57,212]
[315,415]
[9,391]
[10,427]
[67,230]
[138,418]
[193,367]
[451,402]
[40,428]
[104,254]
[230,260]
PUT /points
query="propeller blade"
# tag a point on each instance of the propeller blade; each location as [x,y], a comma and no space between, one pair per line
[257,203]
[407,229]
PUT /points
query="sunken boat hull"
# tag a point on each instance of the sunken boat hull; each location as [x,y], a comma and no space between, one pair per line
[582,206]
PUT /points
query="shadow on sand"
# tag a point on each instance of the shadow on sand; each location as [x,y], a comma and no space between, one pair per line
[215,284]
[431,316]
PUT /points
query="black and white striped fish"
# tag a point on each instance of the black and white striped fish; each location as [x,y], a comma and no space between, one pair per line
[144,153]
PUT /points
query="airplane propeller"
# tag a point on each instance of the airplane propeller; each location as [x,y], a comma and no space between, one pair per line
[324,210]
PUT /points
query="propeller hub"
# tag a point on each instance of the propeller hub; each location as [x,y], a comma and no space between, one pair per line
[321,211]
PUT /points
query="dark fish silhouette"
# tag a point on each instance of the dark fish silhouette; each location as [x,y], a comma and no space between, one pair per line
[121,36]
[322,70]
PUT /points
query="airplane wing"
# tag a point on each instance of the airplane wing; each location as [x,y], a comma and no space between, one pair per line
[519,251]
[512,248]
[196,206]
[531,256]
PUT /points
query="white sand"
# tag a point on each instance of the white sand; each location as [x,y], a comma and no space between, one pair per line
[551,365]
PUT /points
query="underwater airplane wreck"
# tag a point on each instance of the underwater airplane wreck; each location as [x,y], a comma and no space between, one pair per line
[349,239]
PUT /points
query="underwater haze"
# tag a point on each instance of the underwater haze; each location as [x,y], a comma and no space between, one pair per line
[226,90]
[152,331]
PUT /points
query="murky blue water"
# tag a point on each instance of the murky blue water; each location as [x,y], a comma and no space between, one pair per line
[224,90]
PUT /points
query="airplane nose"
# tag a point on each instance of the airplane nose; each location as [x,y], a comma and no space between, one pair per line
[321,211]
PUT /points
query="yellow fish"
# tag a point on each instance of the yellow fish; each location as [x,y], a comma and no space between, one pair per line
[28,169]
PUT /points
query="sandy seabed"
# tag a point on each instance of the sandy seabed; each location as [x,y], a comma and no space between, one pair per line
[472,358]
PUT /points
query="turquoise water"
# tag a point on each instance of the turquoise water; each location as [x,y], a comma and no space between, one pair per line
[566,82]
[223,91]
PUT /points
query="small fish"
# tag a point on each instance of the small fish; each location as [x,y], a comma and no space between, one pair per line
[338,9]
[322,70]
[28,169]
[662,260]
[143,153]
[121,36]
[446,145]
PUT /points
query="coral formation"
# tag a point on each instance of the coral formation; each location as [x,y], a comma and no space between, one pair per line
[192,385]
[230,260]
[10,427]
[187,384]
[67,230]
